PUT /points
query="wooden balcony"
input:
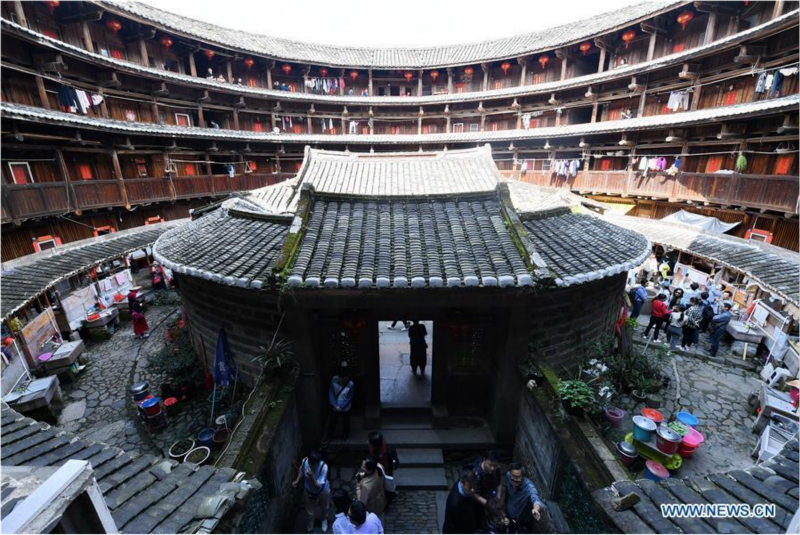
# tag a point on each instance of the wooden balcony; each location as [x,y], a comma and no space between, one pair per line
[762,192]
[25,201]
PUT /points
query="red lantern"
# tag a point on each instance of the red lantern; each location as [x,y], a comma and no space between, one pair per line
[114,25]
[52,5]
[585,47]
[209,54]
[628,36]
[684,18]
[249,62]
[468,71]
[167,42]
[505,66]
[323,72]
[408,76]
[544,59]
[353,75]
[286,68]
[434,75]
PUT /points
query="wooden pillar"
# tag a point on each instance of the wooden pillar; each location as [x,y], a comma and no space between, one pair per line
[309,125]
[564,62]
[341,76]
[19,12]
[601,65]
[524,72]
[710,27]
[419,120]
[235,119]
[154,111]
[143,52]
[629,178]
[642,100]
[201,120]
[344,124]
[103,105]
[449,81]
[64,171]
[595,105]
[419,83]
[192,66]
[447,124]
[42,92]
[777,11]
[369,82]
[120,179]
[651,46]
[173,194]
[229,71]
[306,74]
[371,121]
[208,163]
[485,68]
[87,36]
[696,89]
[483,121]
[270,66]
[519,119]
[273,120]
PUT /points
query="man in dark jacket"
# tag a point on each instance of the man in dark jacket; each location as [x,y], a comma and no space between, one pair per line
[462,514]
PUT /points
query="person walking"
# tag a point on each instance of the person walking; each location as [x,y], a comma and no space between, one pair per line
[462,513]
[489,478]
[341,503]
[363,521]
[419,347]
[638,297]
[718,326]
[140,326]
[316,489]
[381,452]
[658,316]
[691,324]
[403,328]
[524,505]
[675,327]
[369,487]
[340,398]
[677,298]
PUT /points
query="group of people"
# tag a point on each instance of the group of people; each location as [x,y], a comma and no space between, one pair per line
[484,500]
[682,311]
[364,514]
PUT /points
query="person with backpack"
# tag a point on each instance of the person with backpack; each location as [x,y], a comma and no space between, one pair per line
[316,489]
[708,312]
[691,324]
[718,326]
[638,295]
[674,327]
[658,316]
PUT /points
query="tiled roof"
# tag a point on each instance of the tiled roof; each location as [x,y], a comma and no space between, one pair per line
[396,57]
[23,279]
[775,269]
[408,243]
[401,173]
[578,248]
[772,482]
[144,493]
[507,92]
[399,220]
[687,118]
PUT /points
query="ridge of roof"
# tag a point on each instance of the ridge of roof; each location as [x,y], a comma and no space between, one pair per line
[398,56]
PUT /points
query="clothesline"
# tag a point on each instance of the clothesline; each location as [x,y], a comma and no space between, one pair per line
[752,72]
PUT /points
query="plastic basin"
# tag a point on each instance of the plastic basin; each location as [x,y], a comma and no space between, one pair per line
[643,428]
[655,471]
[687,418]
[653,414]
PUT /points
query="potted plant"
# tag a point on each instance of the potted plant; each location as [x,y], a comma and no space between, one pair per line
[576,396]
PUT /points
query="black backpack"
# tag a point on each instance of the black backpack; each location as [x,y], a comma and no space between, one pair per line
[708,312]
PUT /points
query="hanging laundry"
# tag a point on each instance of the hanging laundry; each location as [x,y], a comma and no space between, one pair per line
[790,71]
[83,101]
[573,168]
[330,124]
[231,170]
[643,163]
[678,100]
[524,166]
[761,82]
[776,89]
[67,98]
[741,163]
[323,125]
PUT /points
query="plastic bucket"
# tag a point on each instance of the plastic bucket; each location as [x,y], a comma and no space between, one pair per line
[151,406]
[614,415]
[667,440]
[655,471]
[206,438]
[643,428]
[198,455]
[653,414]
[627,457]
[687,418]
[171,405]
[220,436]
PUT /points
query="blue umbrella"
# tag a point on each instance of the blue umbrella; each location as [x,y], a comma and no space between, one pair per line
[224,366]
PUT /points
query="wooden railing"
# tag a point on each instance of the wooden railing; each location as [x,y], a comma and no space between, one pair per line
[24,201]
[763,192]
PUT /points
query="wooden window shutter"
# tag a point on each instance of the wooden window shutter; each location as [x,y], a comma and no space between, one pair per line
[190,170]
[714,164]
[85,171]
[784,164]
[605,164]
[21,173]
[252,82]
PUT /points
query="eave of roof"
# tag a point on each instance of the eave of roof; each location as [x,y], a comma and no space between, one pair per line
[509,92]
[396,57]
[688,118]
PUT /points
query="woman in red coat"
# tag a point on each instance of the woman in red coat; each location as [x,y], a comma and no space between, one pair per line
[140,326]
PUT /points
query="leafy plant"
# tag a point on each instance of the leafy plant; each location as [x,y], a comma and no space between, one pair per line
[276,357]
[576,394]
[632,323]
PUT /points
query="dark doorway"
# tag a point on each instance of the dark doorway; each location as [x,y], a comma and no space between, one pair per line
[399,387]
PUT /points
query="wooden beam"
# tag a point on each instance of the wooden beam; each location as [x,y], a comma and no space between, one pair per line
[111,80]
[87,36]
[711,26]
[161,90]
[40,89]
[64,171]
[145,57]
[19,13]
[716,7]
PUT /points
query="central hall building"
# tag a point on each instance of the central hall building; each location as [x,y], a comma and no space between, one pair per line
[502,269]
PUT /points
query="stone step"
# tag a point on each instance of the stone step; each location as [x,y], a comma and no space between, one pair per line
[459,438]
[421,478]
[406,421]
[419,457]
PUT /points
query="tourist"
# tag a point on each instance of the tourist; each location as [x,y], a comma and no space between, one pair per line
[693,291]
[675,327]
[489,478]
[496,518]
[369,487]
[649,268]
[364,522]
[663,269]
[691,324]
[419,347]
[462,513]
[638,297]
[403,328]
[708,312]
[381,452]
[718,325]
[524,505]
[316,489]
[209,74]
[140,327]
[677,298]
[133,298]
[340,397]
[658,316]
[341,503]
[159,279]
